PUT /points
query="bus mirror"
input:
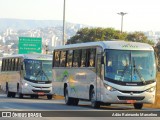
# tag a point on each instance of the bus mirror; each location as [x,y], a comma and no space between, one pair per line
[102,60]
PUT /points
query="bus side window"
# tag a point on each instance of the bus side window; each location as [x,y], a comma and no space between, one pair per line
[63,59]
[3,65]
[16,63]
[56,58]
[7,64]
[83,58]
[92,55]
[10,64]
[19,64]
[17,67]
[69,58]
[76,58]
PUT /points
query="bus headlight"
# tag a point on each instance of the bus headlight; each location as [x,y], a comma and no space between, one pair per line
[109,88]
[151,89]
[25,84]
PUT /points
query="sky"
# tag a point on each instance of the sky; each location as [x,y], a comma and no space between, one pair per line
[142,15]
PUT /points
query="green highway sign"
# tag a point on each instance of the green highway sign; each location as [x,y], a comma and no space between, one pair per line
[30,45]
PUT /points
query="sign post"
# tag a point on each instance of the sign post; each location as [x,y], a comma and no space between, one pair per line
[29,45]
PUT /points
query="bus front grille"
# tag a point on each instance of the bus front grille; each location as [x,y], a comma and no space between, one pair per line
[130,98]
[45,91]
[40,87]
[136,92]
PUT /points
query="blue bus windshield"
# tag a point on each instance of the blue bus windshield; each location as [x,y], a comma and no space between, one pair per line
[40,70]
[130,66]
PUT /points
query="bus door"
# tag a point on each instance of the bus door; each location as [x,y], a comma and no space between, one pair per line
[98,78]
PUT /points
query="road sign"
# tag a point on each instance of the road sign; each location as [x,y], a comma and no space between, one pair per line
[30,45]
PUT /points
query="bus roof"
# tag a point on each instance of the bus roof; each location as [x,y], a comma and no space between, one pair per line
[119,45]
[32,56]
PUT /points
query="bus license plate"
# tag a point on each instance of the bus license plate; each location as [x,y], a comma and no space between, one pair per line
[131,101]
[40,93]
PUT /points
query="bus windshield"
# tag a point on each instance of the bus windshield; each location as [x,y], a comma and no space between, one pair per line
[130,66]
[38,70]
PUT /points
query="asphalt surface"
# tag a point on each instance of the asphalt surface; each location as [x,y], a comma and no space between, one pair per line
[43,104]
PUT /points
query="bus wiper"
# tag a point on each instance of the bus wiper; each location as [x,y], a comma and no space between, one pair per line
[138,72]
[40,72]
[45,75]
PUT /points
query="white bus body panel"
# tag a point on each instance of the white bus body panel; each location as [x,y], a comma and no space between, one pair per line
[78,81]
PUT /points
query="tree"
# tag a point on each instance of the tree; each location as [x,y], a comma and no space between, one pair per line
[157,50]
[138,37]
[106,34]
[96,34]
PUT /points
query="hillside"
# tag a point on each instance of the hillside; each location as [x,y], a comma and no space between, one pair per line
[18,24]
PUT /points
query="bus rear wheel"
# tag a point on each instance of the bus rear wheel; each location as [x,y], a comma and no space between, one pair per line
[75,101]
[20,95]
[9,94]
[68,100]
[94,103]
[13,94]
[138,105]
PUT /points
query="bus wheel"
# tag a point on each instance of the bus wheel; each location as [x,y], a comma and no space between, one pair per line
[138,105]
[49,97]
[68,100]
[9,94]
[75,101]
[94,103]
[13,94]
[7,90]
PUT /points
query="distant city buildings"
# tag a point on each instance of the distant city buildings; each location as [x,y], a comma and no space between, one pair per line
[153,36]
[51,37]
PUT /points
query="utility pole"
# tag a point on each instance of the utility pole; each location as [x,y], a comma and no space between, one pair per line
[122,14]
[64,5]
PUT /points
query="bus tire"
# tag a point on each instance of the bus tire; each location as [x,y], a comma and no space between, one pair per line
[49,97]
[7,90]
[138,105]
[75,101]
[68,100]
[95,104]
[13,94]
[9,94]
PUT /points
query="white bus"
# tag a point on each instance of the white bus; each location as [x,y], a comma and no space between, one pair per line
[27,74]
[105,73]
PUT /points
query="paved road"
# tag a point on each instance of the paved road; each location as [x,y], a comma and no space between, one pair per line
[42,104]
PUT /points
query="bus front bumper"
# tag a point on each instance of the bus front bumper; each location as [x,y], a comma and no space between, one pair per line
[129,97]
